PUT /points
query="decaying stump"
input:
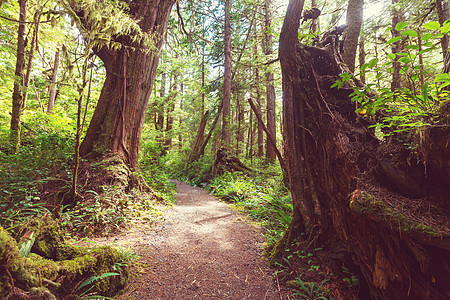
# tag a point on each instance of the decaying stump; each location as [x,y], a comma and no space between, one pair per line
[401,243]
[226,163]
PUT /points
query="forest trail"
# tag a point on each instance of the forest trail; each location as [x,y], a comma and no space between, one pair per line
[203,250]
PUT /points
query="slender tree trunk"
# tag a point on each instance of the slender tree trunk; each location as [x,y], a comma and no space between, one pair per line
[80,124]
[443,15]
[195,154]
[33,46]
[250,137]
[260,135]
[180,136]
[117,122]
[351,34]
[169,113]
[420,42]
[396,48]
[315,26]
[362,58]
[241,130]
[53,84]
[270,90]
[160,112]
[226,111]
[271,138]
[202,105]
[17,97]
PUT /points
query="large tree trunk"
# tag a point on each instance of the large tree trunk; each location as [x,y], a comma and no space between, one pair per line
[17,98]
[351,34]
[335,167]
[117,122]
[270,90]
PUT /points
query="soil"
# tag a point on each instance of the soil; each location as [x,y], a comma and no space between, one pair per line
[203,250]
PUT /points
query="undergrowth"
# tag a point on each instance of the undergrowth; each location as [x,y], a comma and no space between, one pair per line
[263,197]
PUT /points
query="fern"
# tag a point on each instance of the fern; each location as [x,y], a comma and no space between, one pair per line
[92,279]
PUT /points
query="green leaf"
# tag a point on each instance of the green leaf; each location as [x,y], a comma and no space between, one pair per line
[95,278]
[442,77]
[427,50]
[401,25]
[432,25]
[393,40]
[409,33]
[426,36]
[414,47]
[373,62]
[392,56]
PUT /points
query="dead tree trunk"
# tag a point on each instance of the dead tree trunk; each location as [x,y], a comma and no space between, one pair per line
[334,167]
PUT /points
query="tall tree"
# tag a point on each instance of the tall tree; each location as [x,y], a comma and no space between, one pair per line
[17,97]
[53,84]
[443,15]
[226,110]
[351,35]
[270,90]
[396,47]
[130,58]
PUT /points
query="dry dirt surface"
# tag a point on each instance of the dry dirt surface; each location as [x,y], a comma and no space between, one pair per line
[203,250]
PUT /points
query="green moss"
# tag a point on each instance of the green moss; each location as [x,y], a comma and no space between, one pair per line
[367,204]
[51,244]
[49,276]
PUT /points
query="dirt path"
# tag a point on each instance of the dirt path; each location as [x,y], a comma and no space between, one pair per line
[204,250]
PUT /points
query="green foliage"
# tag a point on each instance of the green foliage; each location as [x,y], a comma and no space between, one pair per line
[14,214]
[310,291]
[91,280]
[264,198]
[416,104]
[106,21]
[110,210]
[46,151]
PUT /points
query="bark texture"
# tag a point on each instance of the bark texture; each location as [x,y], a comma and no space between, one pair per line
[226,112]
[17,98]
[53,84]
[270,90]
[396,48]
[333,161]
[117,121]
[351,35]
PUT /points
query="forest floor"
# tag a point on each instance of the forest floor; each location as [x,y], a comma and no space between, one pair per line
[203,250]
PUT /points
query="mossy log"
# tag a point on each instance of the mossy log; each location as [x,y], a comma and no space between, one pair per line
[55,268]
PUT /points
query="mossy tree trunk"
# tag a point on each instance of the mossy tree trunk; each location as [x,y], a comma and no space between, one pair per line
[117,122]
[329,153]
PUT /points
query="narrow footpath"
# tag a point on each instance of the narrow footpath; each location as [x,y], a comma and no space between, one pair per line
[204,250]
